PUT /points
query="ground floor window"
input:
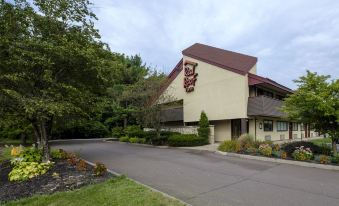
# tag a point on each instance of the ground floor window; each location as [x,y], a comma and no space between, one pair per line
[281,126]
[302,127]
[295,126]
[268,125]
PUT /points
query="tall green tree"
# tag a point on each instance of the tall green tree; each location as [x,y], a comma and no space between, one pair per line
[316,102]
[51,62]
[204,129]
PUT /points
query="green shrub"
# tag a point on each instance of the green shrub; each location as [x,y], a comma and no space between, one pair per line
[124,139]
[27,170]
[31,154]
[181,140]
[134,131]
[276,154]
[335,159]
[246,141]
[118,132]
[251,150]
[302,154]
[322,159]
[142,140]
[134,140]
[99,169]
[58,154]
[203,130]
[81,130]
[229,146]
[324,149]
[289,148]
[151,137]
[265,149]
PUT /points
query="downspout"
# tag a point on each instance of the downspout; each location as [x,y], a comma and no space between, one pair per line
[255,129]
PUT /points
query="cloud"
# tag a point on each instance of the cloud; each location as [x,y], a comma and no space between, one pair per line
[288,37]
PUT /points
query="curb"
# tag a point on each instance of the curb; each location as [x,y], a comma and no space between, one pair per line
[149,187]
[282,161]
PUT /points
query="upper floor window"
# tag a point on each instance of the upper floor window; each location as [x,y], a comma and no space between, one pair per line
[295,126]
[282,126]
[268,125]
[264,92]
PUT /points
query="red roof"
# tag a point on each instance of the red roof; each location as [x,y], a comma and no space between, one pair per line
[232,61]
[235,62]
[256,79]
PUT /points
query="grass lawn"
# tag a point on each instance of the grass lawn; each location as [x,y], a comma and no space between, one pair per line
[119,191]
[321,141]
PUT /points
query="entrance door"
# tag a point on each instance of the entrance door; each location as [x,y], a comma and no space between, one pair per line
[235,128]
[290,130]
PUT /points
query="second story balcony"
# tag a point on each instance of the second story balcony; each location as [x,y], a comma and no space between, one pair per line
[264,106]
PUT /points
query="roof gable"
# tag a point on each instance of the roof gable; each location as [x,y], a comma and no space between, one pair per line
[235,62]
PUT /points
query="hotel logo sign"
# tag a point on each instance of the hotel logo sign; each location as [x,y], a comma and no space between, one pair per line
[190,76]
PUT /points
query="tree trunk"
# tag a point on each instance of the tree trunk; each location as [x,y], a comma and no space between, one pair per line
[23,138]
[42,132]
[125,122]
[44,141]
[36,134]
[334,147]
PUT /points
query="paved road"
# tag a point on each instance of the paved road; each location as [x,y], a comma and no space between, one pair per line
[205,178]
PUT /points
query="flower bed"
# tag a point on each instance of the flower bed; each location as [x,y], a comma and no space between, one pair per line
[299,151]
[65,172]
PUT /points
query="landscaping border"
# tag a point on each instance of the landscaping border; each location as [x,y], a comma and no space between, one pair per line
[149,187]
[282,161]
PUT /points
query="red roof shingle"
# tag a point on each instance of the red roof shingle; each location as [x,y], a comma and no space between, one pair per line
[235,62]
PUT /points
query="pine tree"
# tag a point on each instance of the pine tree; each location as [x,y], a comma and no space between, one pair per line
[203,130]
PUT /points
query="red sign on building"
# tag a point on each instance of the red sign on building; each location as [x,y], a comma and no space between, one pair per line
[190,76]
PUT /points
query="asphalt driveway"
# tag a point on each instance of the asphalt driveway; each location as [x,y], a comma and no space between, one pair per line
[206,178]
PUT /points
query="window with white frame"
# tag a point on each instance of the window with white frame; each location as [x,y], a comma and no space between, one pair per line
[295,126]
[282,126]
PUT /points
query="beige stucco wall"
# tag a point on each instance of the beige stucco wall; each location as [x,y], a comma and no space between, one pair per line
[222,130]
[222,94]
[275,135]
[254,70]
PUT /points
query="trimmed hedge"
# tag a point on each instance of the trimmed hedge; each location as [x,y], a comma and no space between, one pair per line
[151,137]
[290,147]
[182,140]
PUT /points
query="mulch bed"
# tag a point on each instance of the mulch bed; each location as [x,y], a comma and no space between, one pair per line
[69,179]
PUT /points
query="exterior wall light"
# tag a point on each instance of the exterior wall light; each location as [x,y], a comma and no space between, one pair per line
[260,125]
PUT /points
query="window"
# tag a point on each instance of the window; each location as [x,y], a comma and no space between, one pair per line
[302,127]
[264,92]
[281,126]
[295,126]
[268,125]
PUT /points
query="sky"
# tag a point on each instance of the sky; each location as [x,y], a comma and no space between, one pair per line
[288,37]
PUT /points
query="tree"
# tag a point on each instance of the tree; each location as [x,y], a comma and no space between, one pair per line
[51,62]
[154,101]
[204,130]
[316,102]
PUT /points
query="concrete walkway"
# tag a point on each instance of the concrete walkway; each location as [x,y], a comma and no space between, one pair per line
[205,178]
